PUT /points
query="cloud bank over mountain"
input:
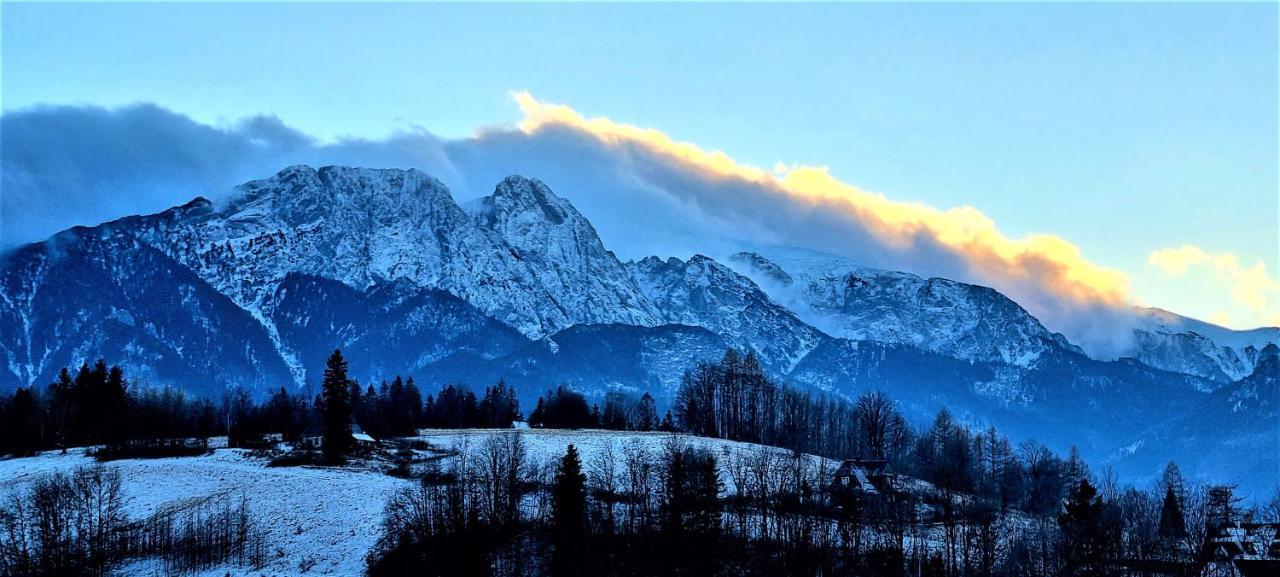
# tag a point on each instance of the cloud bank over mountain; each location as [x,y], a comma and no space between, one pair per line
[647,193]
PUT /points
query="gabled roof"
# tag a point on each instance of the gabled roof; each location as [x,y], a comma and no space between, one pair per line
[851,469]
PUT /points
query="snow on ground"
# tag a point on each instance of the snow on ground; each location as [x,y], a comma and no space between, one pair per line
[547,446]
[325,518]
[322,521]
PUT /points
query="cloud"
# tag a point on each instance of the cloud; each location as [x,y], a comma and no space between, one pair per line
[1249,286]
[1046,273]
[645,192]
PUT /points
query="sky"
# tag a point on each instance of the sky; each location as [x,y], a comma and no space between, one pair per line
[1115,154]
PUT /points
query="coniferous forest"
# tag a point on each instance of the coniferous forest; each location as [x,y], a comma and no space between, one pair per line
[822,486]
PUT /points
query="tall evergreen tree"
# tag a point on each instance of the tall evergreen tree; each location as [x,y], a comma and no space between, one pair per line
[646,414]
[399,418]
[1083,547]
[114,403]
[61,404]
[1172,524]
[336,408]
[413,405]
[1172,479]
[668,423]
[21,420]
[569,515]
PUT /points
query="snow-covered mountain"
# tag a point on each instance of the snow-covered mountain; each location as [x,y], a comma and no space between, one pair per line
[364,226]
[702,292]
[307,260]
[1230,436]
[1180,344]
[966,321]
[95,293]
[256,291]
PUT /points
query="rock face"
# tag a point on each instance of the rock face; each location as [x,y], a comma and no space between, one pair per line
[384,264]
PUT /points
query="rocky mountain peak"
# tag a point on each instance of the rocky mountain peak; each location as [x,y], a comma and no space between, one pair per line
[765,268]
[517,196]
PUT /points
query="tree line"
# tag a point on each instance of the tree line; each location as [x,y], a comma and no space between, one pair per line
[991,507]
[97,406]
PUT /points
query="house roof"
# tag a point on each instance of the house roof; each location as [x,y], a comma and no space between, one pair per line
[852,469]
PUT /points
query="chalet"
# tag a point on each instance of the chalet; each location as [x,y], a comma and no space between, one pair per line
[869,476]
[362,439]
[1243,549]
[313,437]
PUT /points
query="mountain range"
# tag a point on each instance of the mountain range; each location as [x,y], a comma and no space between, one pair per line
[255,292]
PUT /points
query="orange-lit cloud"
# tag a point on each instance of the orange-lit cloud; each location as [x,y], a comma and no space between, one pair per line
[1250,286]
[1047,261]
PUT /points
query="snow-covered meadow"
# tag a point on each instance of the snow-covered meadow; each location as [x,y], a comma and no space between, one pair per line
[323,520]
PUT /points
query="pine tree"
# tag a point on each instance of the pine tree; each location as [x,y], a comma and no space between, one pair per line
[413,405]
[704,495]
[569,515]
[20,423]
[668,424]
[470,410]
[1172,479]
[430,415]
[1172,524]
[336,407]
[61,405]
[538,416]
[1083,548]
[113,403]
[646,414]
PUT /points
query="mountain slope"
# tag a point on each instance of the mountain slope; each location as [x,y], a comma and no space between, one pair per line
[363,226]
[1176,343]
[702,292]
[1231,436]
[937,315]
[391,328]
[91,293]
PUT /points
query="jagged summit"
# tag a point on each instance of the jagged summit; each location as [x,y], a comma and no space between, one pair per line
[517,194]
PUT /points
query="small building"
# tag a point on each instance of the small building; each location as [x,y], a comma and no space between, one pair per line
[1244,550]
[361,438]
[869,476]
[313,437]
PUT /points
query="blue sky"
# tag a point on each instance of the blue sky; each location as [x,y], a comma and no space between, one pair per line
[1125,129]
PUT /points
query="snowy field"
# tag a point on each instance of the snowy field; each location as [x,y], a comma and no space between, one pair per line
[322,521]
[546,447]
[317,521]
